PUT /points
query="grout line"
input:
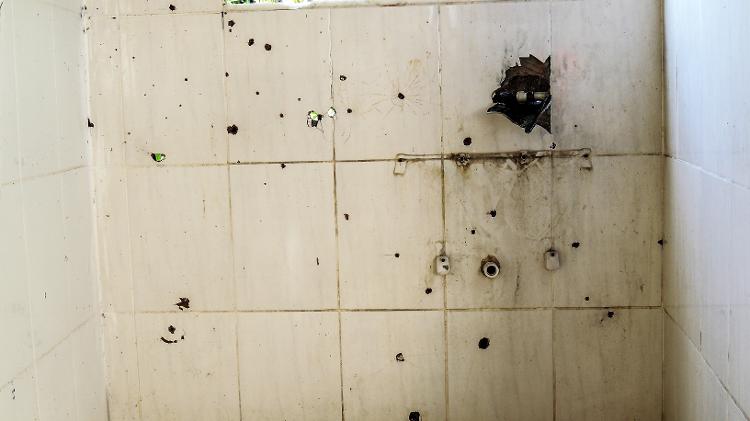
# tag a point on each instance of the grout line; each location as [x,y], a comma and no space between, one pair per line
[707,172]
[553,235]
[335,216]
[703,358]
[375,310]
[40,176]
[224,83]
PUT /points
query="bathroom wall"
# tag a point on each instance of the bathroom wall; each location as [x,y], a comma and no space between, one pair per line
[51,356]
[706,289]
[266,270]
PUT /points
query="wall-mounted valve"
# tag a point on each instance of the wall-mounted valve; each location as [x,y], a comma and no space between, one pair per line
[490,267]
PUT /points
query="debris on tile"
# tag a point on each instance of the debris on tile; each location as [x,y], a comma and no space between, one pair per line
[524,94]
[313,118]
[183,303]
[158,157]
[484,343]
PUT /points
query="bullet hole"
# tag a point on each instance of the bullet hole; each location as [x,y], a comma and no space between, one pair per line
[167,341]
[492,213]
[400,357]
[90,123]
[575,126]
[484,343]
[268,47]
[415,416]
[226,74]
[610,314]
[575,245]
[660,242]
[342,78]
[401,96]
[553,145]
[317,261]
[158,157]
[346,216]
[183,303]
[12,392]
[171,329]
[467,141]
[233,128]
[313,118]
[172,8]
[473,231]
[283,166]
[186,79]
[251,42]
[585,155]
[299,99]
[230,23]
[349,110]
[428,291]
[281,115]
[397,255]
[586,298]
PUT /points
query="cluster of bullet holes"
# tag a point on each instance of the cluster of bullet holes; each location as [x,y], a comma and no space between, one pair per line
[172,332]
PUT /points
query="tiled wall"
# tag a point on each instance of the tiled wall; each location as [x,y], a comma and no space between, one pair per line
[309,264]
[51,356]
[706,289]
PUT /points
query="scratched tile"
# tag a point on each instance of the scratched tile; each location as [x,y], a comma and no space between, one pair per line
[385,69]
[393,365]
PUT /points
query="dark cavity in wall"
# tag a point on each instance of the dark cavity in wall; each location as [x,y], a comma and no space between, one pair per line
[415,416]
[183,303]
[484,343]
[524,94]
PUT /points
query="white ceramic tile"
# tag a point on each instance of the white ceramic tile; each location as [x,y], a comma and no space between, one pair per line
[691,390]
[38,124]
[179,221]
[284,236]
[9,166]
[79,243]
[499,208]
[390,232]
[511,378]
[113,238]
[379,53]
[294,355]
[474,63]
[607,75]
[608,364]
[15,322]
[71,87]
[173,88]
[377,386]
[194,377]
[682,290]
[96,8]
[18,398]
[105,84]
[88,361]
[737,256]
[275,78]
[612,213]
[49,294]
[121,368]
[55,384]
[150,7]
